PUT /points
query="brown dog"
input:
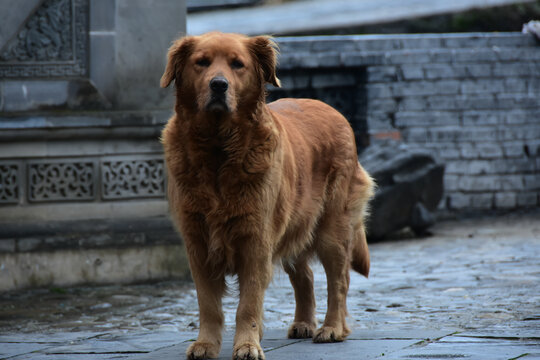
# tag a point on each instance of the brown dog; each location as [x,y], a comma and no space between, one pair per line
[252,184]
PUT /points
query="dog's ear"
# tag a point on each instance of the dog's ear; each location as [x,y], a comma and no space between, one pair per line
[265,50]
[176,58]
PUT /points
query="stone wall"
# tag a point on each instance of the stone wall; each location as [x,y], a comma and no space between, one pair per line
[472,99]
[81,166]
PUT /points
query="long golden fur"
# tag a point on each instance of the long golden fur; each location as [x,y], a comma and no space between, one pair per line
[252,184]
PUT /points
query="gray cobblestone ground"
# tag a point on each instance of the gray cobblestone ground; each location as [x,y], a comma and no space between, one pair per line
[472,290]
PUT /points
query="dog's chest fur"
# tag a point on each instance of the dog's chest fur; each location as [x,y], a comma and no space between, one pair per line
[222,182]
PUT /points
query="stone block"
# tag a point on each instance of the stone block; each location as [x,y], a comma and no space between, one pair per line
[102,15]
[443,71]
[381,74]
[451,182]
[329,60]
[290,45]
[441,102]
[410,185]
[505,200]
[482,86]
[412,71]
[377,91]
[475,55]
[419,88]
[489,150]
[515,85]
[413,103]
[416,135]
[457,167]
[519,117]
[340,45]
[422,42]
[144,32]
[521,100]
[459,201]
[447,133]
[20,95]
[386,105]
[379,44]
[469,151]
[332,80]
[460,42]
[479,183]
[513,149]
[532,147]
[513,39]
[477,167]
[7,245]
[533,85]
[485,101]
[308,60]
[363,58]
[28,244]
[449,151]
[521,132]
[478,133]
[513,69]
[102,67]
[481,118]
[478,70]
[513,166]
[442,55]
[482,201]
[531,182]
[407,57]
[527,199]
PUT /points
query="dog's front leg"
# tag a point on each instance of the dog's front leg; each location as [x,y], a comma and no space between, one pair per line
[253,277]
[210,289]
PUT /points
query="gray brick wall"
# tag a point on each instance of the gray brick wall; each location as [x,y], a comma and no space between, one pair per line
[472,99]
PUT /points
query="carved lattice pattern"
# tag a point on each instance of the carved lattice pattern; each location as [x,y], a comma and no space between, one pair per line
[9,183]
[132,178]
[61,181]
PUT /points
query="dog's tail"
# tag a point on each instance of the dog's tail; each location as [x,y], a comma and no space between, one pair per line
[360,252]
[362,193]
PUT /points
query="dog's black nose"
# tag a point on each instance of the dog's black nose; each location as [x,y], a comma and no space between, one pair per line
[219,84]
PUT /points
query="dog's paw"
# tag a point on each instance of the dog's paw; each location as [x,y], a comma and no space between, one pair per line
[327,334]
[301,330]
[202,350]
[248,351]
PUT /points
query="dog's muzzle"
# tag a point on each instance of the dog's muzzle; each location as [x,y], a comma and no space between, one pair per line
[218,94]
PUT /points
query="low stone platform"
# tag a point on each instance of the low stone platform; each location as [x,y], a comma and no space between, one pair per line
[470,291]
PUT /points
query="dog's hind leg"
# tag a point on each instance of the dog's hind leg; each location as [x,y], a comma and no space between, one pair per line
[333,241]
[301,278]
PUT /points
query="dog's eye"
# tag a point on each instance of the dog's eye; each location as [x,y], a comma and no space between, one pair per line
[237,64]
[204,62]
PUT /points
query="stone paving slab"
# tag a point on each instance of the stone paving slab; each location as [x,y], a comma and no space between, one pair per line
[276,346]
[470,291]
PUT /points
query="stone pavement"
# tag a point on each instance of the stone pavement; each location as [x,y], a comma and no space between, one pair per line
[470,291]
[315,15]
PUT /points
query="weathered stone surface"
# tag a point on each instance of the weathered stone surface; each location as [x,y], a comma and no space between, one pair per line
[409,187]
[470,291]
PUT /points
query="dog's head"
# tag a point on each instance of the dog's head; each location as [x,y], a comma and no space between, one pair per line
[218,72]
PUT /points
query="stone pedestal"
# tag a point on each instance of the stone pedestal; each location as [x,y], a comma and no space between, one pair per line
[81,112]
